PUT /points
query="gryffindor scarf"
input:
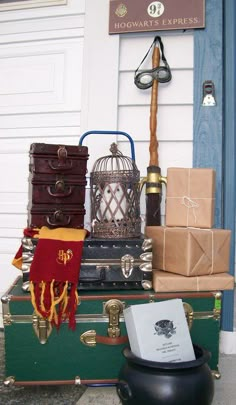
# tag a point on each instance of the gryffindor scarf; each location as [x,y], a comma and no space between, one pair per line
[18,260]
[54,274]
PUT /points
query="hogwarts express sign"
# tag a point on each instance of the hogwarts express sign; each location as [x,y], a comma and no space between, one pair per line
[147,15]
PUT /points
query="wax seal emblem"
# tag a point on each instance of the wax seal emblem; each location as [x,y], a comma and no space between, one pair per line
[165,327]
[121,10]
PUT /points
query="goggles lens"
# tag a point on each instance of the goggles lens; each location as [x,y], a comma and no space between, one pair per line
[144,79]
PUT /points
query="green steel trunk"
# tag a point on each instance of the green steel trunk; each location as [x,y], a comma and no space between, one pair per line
[93,352]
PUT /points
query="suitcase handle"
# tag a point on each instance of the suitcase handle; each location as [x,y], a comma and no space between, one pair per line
[58,219]
[90,338]
[96,132]
[94,280]
[65,166]
[59,190]
[63,162]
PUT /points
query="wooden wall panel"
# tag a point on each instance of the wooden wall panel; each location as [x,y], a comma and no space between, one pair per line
[41,61]
[178,91]
[170,123]
[41,77]
[178,49]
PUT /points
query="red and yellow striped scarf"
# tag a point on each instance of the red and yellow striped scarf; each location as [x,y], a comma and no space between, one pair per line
[54,274]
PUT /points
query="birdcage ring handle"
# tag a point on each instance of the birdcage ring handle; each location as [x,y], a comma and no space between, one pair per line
[101,132]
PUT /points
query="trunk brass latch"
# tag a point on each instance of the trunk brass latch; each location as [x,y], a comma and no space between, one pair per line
[113,308]
[42,328]
[88,338]
[127,265]
[188,313]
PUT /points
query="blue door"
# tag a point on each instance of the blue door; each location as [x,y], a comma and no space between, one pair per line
[214,126]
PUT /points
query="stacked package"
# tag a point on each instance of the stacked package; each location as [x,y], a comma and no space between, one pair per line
[189,254]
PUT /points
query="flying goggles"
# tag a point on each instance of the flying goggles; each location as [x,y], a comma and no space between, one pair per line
[144,79]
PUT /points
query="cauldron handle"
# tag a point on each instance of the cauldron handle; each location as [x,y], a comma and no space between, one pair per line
[123,390]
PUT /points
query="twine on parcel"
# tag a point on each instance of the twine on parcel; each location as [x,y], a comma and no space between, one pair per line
[212,249]
[164,250]
[190,203]
[197,283]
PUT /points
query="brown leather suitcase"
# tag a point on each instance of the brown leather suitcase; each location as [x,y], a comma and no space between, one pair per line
[55,216]
[57,185]
[52,159]
[57,189]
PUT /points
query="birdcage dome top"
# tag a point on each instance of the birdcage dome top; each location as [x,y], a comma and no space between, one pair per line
[115,164]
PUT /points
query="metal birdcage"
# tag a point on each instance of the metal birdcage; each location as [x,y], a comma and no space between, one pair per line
[115,197]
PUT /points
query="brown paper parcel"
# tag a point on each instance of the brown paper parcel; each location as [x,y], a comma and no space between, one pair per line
[190,251]
[168,282]
[190,197]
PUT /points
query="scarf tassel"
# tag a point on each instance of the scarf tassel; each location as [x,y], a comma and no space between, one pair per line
[54,302]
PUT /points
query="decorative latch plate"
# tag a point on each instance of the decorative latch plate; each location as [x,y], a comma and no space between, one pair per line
[42,328]
[88,338]
[7,319]
[114,309]
[188,313]
[127,265]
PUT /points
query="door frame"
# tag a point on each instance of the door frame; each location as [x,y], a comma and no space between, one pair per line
[214,127]
[229,150]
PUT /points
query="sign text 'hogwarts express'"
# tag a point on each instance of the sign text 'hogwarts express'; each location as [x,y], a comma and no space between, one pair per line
[147,15]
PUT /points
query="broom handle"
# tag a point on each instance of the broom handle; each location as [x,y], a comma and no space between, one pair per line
[153,146]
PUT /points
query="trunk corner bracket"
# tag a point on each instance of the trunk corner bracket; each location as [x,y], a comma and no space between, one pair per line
[6,299]
[77,380]
[9,381]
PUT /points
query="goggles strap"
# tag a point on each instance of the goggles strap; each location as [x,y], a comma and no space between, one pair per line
[156,39]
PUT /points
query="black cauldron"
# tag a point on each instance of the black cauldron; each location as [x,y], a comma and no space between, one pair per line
[144,382]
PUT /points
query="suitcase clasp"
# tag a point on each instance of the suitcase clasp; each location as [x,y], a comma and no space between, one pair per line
[127,265]
[42,328]
[188,313]
[88,338]
[114,308]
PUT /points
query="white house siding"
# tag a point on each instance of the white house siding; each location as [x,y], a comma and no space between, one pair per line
[175,103]
[112,101]
[41,57]
[61,74]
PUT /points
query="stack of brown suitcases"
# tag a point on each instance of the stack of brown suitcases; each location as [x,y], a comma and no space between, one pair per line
[57,185]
